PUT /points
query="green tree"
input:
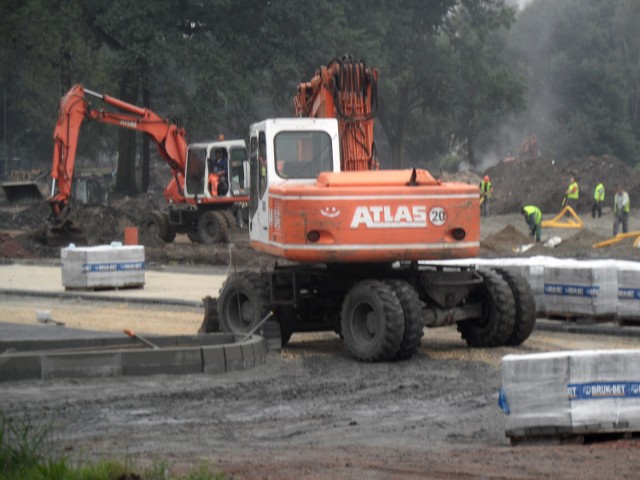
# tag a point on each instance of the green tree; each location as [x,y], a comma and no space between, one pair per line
[442,72]
[40,49]
[484,86]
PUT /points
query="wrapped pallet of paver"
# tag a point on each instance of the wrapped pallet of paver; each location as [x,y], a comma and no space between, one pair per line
[629,292]
[604,389]
[581,289]
[103,266]
[561,394]
[534,394]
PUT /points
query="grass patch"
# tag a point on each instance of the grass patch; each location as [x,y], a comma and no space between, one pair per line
[22,457]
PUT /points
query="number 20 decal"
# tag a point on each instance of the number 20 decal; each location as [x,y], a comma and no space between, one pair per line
[438,216]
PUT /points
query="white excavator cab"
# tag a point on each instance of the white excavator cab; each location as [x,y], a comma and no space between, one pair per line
[287,151]
[199,179]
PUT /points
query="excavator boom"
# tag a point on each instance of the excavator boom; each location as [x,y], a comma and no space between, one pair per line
[345,89]
[74,109]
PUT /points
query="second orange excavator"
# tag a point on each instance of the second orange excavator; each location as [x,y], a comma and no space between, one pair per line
[202,203]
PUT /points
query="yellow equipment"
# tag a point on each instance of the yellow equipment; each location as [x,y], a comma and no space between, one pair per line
[573,221]
[618,238]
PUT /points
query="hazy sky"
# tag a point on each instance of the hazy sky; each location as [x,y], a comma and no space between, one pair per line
[523,3]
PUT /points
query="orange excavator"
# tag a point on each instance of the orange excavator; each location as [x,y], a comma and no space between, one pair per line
[360,245]
[200,200]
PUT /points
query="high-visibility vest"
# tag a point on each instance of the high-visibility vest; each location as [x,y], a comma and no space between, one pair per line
[485,188]
[573,191]
[529,209]
[598,194]
[625,195]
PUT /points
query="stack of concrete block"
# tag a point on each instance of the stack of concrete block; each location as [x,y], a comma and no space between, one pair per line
[571,392]
[103,266]
[605,389]
[535,389]
[628,293]
[581,289]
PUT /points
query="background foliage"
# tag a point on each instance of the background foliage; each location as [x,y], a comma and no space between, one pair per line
[461,81]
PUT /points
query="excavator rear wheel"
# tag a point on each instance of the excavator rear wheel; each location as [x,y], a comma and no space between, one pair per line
[212,228]
[496,322]
[193,236]
[525,304]
[413,318]
[243,302]
[372,321]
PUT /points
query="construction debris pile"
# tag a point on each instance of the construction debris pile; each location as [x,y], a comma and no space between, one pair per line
[543,182]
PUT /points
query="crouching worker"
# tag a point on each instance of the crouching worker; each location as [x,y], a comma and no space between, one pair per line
[533,217]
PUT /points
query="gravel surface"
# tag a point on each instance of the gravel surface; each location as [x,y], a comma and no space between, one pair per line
[313,412]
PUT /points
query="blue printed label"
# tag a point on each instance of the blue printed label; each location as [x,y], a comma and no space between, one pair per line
[570,290]
[629,293]
[594,391]
[112,267]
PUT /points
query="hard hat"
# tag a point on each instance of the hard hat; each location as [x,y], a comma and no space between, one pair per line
[486,178]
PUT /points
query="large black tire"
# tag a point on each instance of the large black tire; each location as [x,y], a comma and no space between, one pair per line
[193,236]
[243,302]
[372,321]
[413,318]
[157,223]
[287,317]
[496,322]
[231,221]
[212,228]
[525,318]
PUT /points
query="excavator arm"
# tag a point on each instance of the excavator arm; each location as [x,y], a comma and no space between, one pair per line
[345,89]
[75,108]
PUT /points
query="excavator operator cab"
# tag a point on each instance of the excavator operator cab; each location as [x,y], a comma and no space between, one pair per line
[201,181]
[287,151]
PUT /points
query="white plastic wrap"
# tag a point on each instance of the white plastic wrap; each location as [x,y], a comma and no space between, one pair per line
[596,390]
[103,266]
[581,289]
[629,292]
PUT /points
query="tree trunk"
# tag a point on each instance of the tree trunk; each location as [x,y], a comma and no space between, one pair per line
[126,174]
[146,154]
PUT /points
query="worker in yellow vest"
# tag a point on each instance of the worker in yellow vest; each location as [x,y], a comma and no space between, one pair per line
[598,200]
[486,189]
[572,194]
[533,217]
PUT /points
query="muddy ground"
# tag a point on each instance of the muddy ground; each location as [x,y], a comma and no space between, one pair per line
[312,412]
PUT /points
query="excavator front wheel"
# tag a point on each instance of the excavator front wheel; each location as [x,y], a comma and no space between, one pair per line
[243,302]
[212,227]
[157,223]
[372,321]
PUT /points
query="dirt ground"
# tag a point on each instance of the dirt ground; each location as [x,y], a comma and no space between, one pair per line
[311,412]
